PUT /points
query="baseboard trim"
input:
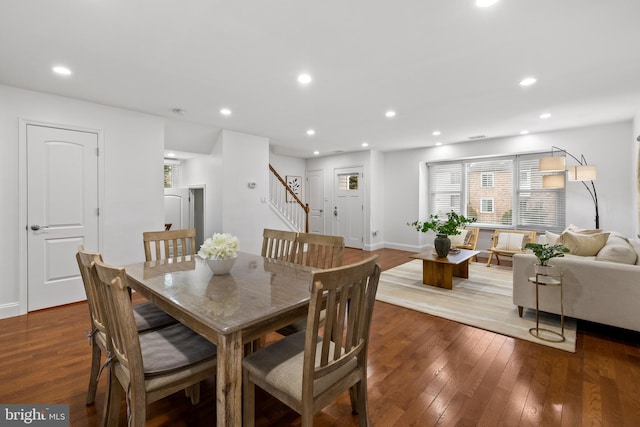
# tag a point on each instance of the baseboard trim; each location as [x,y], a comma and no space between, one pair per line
[9,310]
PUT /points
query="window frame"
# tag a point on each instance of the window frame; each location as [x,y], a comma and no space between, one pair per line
[532,207]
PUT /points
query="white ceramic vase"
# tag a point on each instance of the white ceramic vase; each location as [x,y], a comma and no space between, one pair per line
[221,266]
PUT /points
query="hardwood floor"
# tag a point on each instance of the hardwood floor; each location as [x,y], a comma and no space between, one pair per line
[423,371]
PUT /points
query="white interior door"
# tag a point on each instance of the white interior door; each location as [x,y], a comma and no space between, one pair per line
[348,210]
[315,197]
[177,208]
[62,212]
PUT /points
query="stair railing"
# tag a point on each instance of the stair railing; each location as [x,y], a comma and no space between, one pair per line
[287,202]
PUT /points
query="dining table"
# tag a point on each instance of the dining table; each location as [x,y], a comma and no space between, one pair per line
[258,296]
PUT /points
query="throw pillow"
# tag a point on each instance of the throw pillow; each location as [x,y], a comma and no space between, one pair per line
[583,244]
[552,238]
[577,229]
[618,249]
[510,241]
[459,239]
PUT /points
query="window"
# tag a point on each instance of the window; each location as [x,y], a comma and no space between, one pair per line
[486,205]
[486,179]
[171,174]
[347,182]
[498,192]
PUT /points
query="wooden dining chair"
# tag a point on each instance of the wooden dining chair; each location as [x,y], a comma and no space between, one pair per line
[318,250]
[278,244]
[314,250]
[310,369]
[151,365]
[169,243]
[147,317]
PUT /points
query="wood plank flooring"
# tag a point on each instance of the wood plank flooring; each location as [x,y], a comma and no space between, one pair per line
[423,371]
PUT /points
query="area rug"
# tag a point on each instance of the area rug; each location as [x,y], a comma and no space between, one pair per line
[484,300]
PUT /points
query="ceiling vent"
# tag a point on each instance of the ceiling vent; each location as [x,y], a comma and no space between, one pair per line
[478,137]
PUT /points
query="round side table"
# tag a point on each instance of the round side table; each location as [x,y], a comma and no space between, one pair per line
[554,279]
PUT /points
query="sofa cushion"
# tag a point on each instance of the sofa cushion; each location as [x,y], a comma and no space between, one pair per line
[618,249]
[460,239]
[583,244]
[510,241]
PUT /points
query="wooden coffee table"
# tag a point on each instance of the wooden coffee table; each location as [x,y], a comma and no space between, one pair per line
[440,271]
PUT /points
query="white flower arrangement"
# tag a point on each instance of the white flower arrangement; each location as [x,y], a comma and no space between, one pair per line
[219,246]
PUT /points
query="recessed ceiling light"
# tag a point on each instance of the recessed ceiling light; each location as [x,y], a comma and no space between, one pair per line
[311,132]
[545,115]
[524,132]
[390,113]
[365,144]
[225,112]
[304,79]
[171,154]
[436,133]
[438,143]
[528,81]
[485,3]
[63,71]
[316,152]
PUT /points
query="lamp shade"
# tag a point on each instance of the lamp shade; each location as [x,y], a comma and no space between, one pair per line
[553,181]
[551,164]
[582,173]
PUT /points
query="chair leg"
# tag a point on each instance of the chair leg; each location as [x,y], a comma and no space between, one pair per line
[306,419]
[363,406]
[137,410]
[353,396]
[193,391]
[112,403]
[96,356]
[248,401]
[490,258]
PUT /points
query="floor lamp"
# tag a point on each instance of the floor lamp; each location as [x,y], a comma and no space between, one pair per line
[582,172]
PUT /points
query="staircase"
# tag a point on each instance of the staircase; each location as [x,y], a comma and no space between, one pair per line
[288,206]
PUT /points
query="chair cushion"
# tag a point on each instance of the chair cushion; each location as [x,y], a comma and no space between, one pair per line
[460,239]
[510,241]
[583,244]
[280,364]
[172,348]
[149,316]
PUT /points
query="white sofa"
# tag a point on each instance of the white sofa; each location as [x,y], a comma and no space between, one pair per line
[595,287]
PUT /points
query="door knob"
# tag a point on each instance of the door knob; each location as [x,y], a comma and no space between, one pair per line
[36,227]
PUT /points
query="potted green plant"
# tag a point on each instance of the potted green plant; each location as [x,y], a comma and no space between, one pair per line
[443,228]
[544,252]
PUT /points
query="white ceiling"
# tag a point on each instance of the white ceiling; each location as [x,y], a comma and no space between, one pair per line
[441,64]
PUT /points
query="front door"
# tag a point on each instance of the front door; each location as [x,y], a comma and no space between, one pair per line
[348,210]
[62,212]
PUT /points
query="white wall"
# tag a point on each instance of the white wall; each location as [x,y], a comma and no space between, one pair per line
[132,196]
[206,171]
[635,176]
[610,147]
[245,210]
[230,205]
[375,207]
